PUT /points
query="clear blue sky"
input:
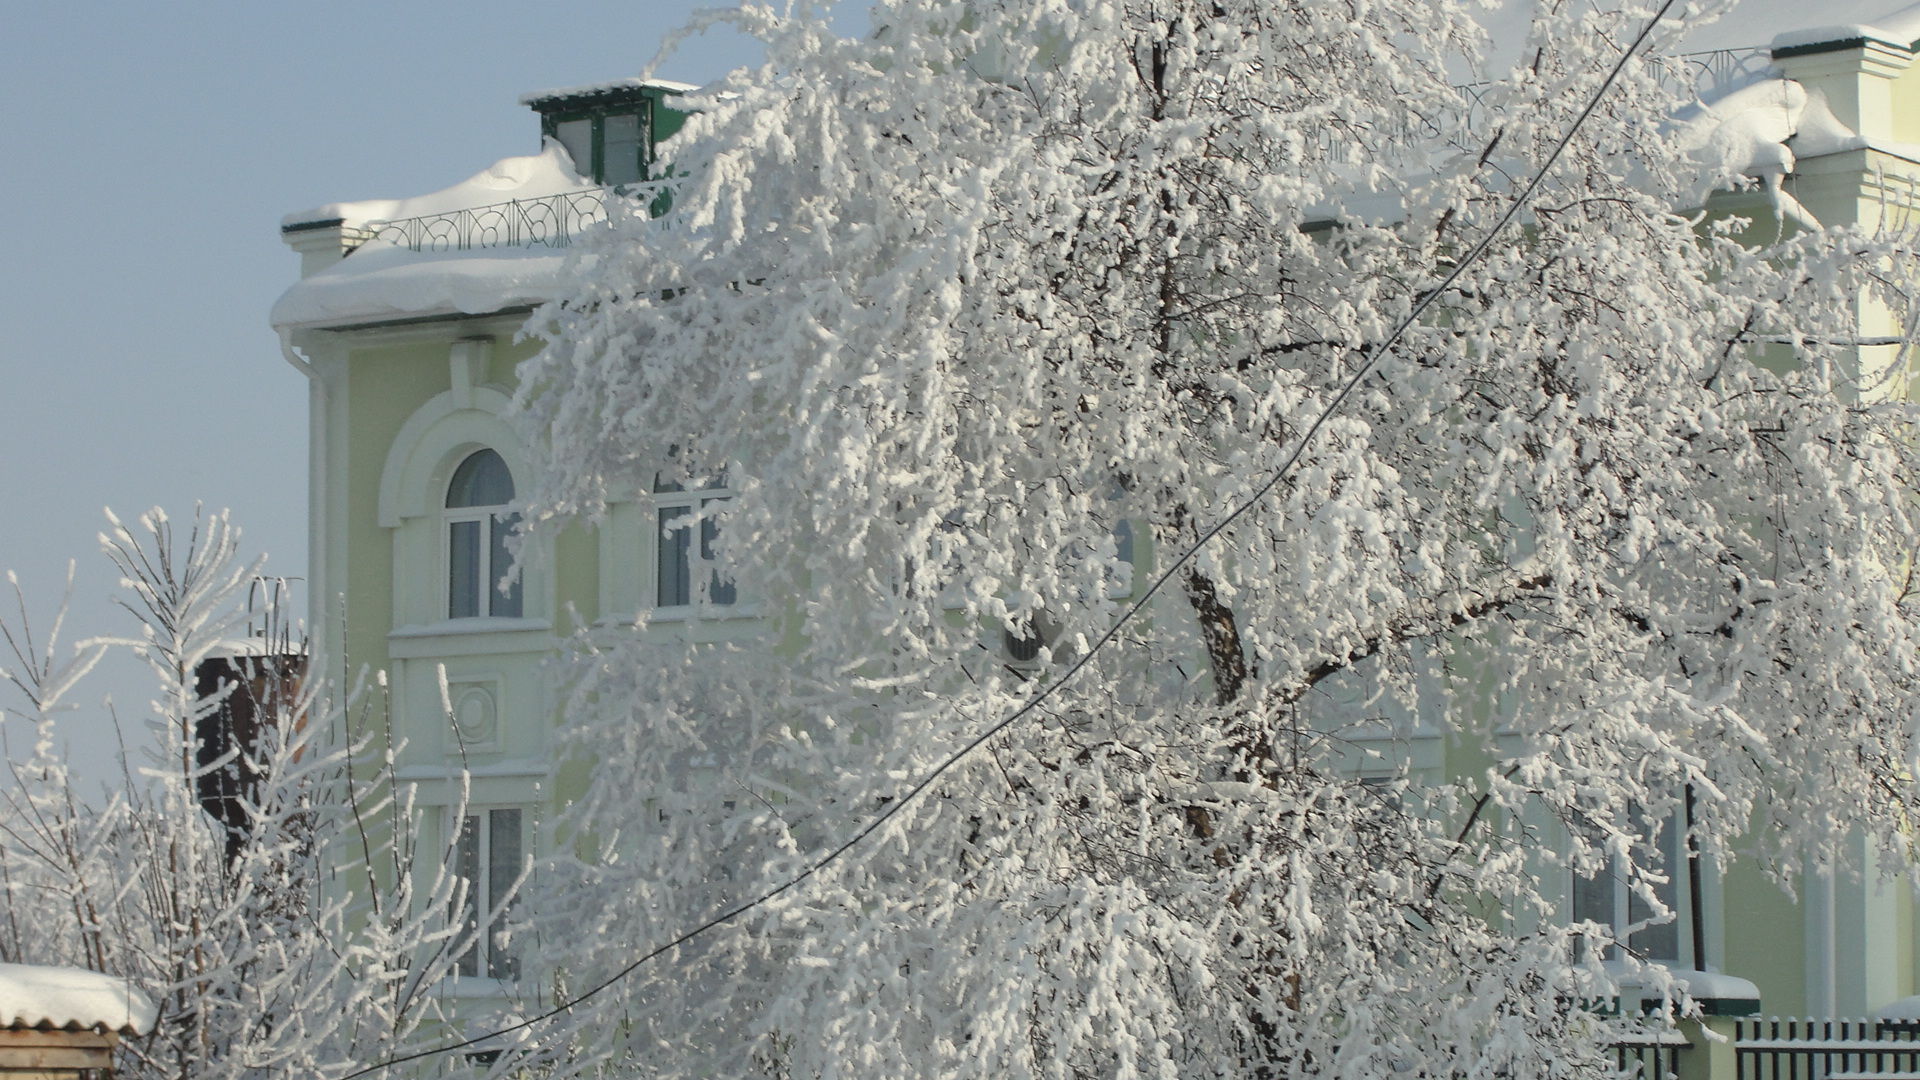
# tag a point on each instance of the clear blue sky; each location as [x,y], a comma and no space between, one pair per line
[151,152]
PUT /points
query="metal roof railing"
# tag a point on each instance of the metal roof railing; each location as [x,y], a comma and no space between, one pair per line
[551,221]
[1694,75]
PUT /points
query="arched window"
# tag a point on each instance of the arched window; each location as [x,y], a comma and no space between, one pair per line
[478,524]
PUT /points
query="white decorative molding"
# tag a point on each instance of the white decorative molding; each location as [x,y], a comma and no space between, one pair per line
[429,447]
[470,637]
[433,441]
[476,714]
[468,363]
[514,770]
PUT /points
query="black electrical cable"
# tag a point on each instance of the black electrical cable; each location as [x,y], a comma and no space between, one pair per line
[1186,556]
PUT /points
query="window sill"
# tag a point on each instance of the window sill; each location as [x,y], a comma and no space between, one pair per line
[474,987]
[453,637]
[683,616]
[511,768]
[714,613]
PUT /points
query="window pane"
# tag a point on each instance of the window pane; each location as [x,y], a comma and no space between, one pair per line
[463,569]
[1660,942]
[481,480]
[505,605]
[503,869]
[1593,902]
[675,576]
[620,161]
[577,137]
[1593,898]
[1120,577]
[467,856]
[718,591]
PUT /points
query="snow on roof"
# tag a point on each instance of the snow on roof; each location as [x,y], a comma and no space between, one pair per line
[1900,27]
[1746,128]
[1755,124]
[1756,128]
[540,97]
[382,280]
[397,283]
[1759,129]
[550,172]
[1750,24]
[69,998]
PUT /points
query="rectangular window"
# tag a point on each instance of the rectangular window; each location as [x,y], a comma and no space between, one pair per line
[719,590]
[675,587]
[1609,899]
[490,858]
[576,136]
[502,604]
[621,149]
[688,576]
[476,564]
[607,147]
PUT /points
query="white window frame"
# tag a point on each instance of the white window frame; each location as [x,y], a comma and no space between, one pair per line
[699,505]
[489,598]
[487,902]
[1623,901]
[489,575]
[431,444]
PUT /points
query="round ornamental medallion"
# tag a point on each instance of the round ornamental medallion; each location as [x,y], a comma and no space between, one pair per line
[473,715]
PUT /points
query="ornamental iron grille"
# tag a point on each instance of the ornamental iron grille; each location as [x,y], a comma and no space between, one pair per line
[1694,76]
[551,221]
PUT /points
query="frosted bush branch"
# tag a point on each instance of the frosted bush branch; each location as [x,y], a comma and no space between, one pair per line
[261,963]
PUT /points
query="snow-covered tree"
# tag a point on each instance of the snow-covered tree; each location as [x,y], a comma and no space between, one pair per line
[287,937]
[972,309]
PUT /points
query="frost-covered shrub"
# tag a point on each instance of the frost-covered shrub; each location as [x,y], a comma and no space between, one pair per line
[299,943]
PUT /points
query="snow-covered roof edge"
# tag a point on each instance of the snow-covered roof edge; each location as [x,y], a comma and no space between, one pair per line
[613,86]
[65,998]
[1900,29]
[396,284]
